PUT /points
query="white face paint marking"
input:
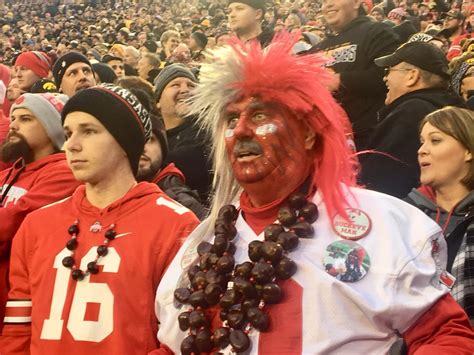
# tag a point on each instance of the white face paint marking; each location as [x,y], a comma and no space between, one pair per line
[265,129]
[229,133]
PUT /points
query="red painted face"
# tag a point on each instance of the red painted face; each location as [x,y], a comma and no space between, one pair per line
[267,147]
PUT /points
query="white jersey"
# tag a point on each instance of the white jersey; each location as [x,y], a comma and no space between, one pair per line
[321,313]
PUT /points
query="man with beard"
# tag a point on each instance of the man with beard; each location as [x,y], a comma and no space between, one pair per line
[253,278]
[186,143]
[168,177]
[73,72]
[39,175]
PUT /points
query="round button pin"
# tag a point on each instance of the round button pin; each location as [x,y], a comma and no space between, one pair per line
[346,260]
[357,227]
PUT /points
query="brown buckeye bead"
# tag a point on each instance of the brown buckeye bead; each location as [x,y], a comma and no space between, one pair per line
[262,272]
[225,264]
[182,294]
[212,277]
[212,293]
[255,250]
[220,244]
[287,216]
[102,250]
[228,230]
[303,229]
[73,229]
[230,298]
[204,247]
[288,240]
[92,267]
[272,231]
[110,234]
[236,319]
[285,268]
[245,287]
[193,270]
[260,321]
[205,261]
[271,293]
[183,320]
[198,299]
[68,261]
[197,319]
[228,213]
[309,212]
[297,200]
[204,341]
[71,244]
[239,340]
[243,269]
[77,274]
[199,280]
[188,345]
[249,303]
[271,251]
[221,337]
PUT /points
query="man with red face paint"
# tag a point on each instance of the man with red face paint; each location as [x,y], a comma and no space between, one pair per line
[303,262]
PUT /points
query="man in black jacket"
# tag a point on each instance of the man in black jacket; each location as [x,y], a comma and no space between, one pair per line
[187,144]
[353,45]
[417,80]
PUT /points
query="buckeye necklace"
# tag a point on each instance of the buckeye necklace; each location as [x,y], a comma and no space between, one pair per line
[77,274]
[242,290]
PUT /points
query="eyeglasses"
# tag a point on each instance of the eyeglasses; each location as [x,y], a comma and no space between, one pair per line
[386,71]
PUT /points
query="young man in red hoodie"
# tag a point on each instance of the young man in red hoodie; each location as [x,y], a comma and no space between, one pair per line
[39,175]
[84,271]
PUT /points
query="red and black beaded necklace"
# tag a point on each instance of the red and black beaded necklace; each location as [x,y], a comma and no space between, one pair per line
[76,273]
[242,290]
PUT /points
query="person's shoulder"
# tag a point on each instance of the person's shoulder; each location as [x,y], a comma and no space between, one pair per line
[50,211]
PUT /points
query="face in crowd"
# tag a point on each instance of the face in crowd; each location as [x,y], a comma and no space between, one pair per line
[78,76]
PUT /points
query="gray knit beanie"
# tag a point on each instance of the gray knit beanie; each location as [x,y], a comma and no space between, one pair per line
[47,108]
[170,73]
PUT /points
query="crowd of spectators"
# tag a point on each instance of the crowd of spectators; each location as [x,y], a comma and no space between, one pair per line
[394,62]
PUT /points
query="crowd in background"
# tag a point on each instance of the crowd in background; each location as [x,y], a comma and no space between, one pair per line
[401,69]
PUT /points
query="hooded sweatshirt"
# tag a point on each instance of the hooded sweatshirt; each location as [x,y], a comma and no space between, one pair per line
[452,222]
[110,312]
[23,189]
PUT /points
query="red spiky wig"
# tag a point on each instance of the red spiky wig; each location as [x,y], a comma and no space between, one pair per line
[275,75]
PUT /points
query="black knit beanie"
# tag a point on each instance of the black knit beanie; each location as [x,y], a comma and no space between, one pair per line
[65,62]
[120,112]
[170,73]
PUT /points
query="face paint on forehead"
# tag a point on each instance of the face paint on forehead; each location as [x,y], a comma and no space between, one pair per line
[268,128]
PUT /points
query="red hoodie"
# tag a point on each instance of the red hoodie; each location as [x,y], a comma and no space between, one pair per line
[23,189]
[170,169]
[111,312]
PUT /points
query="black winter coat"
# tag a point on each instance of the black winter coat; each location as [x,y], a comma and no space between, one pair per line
[362,90]
[397,134]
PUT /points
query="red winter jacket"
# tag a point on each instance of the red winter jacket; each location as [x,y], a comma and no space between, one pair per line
[25,188]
